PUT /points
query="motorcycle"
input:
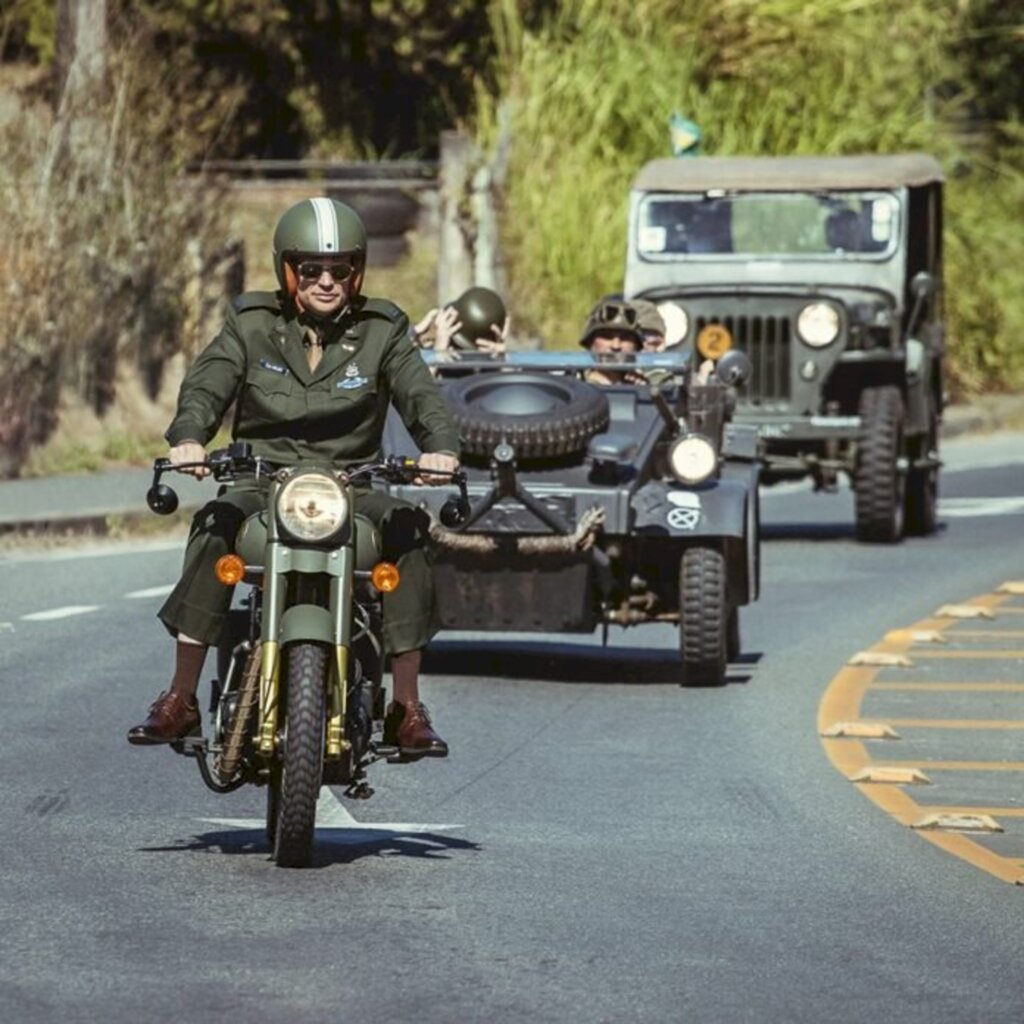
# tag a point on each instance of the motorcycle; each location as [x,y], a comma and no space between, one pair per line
[299,699]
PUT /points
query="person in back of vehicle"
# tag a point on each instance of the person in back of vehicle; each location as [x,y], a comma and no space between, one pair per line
[612,335]
[311,370]
[475,322]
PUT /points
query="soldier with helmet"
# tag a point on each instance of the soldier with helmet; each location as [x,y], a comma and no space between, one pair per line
[612,335]
[311,370]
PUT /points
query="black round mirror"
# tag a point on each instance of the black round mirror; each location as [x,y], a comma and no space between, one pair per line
[162,499]
[454,512]
[922,284]
[734,368]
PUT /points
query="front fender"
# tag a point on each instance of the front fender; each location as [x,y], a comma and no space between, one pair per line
[307,622]
[717,508]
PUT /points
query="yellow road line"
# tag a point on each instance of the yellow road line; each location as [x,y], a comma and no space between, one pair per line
[995,812]
[841,703]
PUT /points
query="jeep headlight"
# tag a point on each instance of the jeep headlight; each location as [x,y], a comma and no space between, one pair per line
[818,324]
[677,322]
[312,506]
[692,459]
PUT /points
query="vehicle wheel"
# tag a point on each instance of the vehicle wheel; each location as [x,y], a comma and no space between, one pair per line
[302,760]
[733,644]
[273,805]
[922,498]
[878,484]
[539,415]
[703,616]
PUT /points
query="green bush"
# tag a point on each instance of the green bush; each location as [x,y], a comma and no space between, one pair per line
[592,89]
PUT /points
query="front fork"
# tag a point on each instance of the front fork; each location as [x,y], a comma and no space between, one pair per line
[338,565]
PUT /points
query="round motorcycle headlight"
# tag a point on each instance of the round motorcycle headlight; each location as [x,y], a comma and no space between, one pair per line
[692,459]
[312,506]
[818,324]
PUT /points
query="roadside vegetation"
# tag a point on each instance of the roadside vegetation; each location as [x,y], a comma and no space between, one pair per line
[105,246]
[590,93]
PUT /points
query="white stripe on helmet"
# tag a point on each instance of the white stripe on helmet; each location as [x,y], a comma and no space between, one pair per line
[326,225]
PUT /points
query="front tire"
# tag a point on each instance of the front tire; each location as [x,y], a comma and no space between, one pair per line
[922,498]
[302,761]
[703,616]
[878,482]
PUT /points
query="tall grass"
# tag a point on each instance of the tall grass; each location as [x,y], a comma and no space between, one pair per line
[591,92]
[100,248]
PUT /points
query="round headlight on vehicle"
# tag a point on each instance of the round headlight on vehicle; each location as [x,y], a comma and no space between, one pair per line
[818,324]
[312,506]
[677,323]
[692,459]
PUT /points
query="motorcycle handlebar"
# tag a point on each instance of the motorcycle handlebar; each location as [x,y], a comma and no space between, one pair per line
[237,458]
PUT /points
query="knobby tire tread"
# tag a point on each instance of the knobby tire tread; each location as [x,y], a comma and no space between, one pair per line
[703,616]
[878,495]
[302,762]
[559,434]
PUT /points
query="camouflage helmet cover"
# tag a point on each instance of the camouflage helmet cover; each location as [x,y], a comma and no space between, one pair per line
[480,310]
[613,314]
[318,227]
[648,317]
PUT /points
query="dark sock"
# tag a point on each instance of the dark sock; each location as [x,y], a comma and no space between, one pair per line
[188,666]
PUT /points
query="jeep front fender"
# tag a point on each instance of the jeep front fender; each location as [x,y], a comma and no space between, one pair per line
[717,508]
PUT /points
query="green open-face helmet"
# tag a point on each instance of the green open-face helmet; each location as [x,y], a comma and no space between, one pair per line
[613,314]
[480,310]
[318,227]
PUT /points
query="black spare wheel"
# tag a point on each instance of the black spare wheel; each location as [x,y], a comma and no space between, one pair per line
[539,415]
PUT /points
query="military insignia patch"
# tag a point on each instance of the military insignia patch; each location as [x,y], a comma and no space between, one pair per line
[268,365]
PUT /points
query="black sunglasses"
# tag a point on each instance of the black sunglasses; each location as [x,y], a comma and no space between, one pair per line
[313,270]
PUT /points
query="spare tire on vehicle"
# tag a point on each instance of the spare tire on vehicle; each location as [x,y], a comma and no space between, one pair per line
[540,415]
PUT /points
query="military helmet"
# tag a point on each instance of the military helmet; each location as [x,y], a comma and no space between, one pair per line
[648,317]
[479,310]
[318,227]
[612,314]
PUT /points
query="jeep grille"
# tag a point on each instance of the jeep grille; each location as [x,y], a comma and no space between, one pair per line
[767,341]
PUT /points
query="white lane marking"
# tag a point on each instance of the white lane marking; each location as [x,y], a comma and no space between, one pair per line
[964,508]
[61,613]
[160,591]
[333,817]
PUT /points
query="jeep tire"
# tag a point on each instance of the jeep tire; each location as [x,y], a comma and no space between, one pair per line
[879,483]
[704,615]
[538,414]
[922,497]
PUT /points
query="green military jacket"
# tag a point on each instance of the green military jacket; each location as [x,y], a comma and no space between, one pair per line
[335,413]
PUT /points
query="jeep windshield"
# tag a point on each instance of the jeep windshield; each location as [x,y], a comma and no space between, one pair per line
[798,226]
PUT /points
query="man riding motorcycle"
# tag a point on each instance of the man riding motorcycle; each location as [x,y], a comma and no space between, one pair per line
[311,370]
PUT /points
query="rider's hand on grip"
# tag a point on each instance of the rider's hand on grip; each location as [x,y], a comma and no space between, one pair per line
[440,463]
[190,451]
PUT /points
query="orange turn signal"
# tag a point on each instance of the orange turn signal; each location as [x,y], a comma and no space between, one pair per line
[229,569]
[385,577]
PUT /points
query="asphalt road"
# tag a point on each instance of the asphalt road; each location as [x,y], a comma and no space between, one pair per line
[600,846]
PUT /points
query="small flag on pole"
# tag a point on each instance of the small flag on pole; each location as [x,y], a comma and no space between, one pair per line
[684,134]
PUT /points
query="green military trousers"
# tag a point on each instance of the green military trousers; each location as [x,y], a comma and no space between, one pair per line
[199,603]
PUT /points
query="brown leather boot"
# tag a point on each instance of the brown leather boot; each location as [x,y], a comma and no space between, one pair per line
[407,726]
[170,718]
